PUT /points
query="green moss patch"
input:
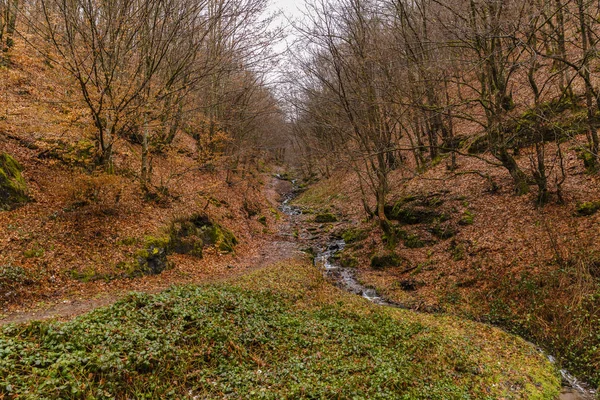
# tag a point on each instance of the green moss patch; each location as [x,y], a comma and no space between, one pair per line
[588,208]
[325,218]
[13,190]
[385,260]
[354,235]
[442,230]
[468,218]
[413,241]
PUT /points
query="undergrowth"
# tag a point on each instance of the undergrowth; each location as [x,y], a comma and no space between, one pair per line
[278,333]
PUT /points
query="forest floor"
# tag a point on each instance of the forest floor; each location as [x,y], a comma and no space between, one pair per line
[278,246]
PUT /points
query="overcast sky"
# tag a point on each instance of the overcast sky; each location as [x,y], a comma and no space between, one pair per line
[292,10]
[289,7]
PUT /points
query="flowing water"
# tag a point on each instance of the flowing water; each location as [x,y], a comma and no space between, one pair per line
[345,278]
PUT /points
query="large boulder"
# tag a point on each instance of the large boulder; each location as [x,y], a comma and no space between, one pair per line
[190,235]
[13,190]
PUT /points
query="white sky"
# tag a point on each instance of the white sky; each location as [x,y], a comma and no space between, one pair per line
[291,10]
[289,7]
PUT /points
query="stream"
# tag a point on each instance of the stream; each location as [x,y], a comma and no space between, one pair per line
[345,278]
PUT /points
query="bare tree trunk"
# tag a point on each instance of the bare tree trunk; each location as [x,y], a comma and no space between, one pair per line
[145,172]
[585,67]
[11,21]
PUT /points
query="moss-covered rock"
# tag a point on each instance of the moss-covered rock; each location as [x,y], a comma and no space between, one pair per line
[13,190]
[152,258]
[152,261]
[385,260]
[588,208]
[414,210]
[442,231]
[413,241]
[185,238]
[346,259]
[325,218]
[354,235]
[412,215]
[190,235]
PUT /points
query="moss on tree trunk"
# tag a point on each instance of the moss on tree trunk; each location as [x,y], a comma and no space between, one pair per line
[13,190]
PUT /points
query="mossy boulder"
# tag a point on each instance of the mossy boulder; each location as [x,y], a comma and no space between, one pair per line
[348,261]
[354,235]
[185,236]
[13,190]
[588,208]
[191,235]
[152,258]
[413,241]
[325,218]
[385,260]
[413,210]
[411,215]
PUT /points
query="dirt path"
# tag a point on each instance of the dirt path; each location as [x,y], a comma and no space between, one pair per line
[279,247]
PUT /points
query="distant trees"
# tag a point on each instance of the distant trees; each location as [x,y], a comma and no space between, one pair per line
[347,88]
[389,82]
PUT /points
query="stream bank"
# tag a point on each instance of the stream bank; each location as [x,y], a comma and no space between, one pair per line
[325,247]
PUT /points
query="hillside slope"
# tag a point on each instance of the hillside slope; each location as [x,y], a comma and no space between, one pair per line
[84,233]
[480,253]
